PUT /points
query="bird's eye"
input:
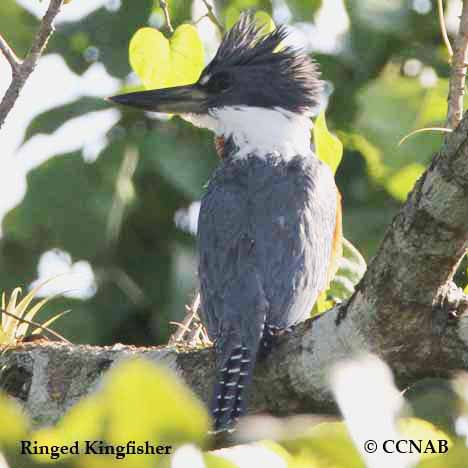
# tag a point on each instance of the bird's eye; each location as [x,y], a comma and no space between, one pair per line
[219,82]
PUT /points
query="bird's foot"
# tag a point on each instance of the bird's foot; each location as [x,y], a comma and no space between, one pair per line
[271,334]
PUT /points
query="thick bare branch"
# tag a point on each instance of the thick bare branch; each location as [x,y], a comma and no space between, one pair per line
[458,71]
[49,378]
[22,70]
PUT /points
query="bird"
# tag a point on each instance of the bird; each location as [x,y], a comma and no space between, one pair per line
[269,229]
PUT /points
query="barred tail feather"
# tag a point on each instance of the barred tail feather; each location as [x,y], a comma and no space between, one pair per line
[229,398]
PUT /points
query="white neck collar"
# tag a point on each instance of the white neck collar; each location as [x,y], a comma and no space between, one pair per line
[259,131]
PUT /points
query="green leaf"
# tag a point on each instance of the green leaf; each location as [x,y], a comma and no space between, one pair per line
[66,206]
[137,401]
[17,26]
[162,63]
[328,147]
[48,122]
[384,17]
[264,21]
[401,183]
[434,400]
[178,164]
[371,154]
[392,106]
[304,9]
[146,402]
[455,457]
[326,444]
[276,448]
[149,55]
[106,33]
[188,55]
[322,304]
[420,430]
[84,421]
[215,461]
[351,269]
[234,9]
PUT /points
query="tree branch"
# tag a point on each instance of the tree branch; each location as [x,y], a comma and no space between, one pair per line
[49,378]
[10,55]
[211,15]
[458,71]
[22,69]
[443,29]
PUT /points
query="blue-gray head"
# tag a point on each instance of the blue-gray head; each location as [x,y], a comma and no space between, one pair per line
[253,81]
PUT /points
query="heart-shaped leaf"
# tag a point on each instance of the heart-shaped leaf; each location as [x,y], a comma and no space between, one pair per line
[162,63]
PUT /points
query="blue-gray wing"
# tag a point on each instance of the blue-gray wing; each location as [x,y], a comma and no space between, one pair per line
[233,300]
[264,235]
[295,221]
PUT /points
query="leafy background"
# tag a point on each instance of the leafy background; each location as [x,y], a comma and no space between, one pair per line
[109,215]
[116,211]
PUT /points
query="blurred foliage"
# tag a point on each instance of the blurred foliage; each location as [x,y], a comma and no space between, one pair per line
[327,146]
[103,36]
[116,414]
[17,25]
[389,77]
[139,403]
[50,121]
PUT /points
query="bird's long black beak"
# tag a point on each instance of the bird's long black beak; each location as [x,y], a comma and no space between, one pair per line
[176,100]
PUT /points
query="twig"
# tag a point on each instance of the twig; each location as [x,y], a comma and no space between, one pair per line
[421,130]
[22,69]
[458,71]
[167,17]
[211,15]
[195,22]
[184,327]
[443,29]
[10,55]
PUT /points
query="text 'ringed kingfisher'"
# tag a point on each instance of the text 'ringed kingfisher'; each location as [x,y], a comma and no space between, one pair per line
[269,229]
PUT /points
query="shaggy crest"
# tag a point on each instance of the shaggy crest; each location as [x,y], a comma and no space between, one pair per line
[283,76]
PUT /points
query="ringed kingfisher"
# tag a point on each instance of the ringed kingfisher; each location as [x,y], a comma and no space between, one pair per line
[269,229]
